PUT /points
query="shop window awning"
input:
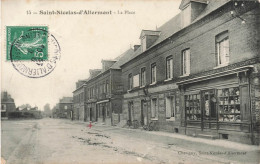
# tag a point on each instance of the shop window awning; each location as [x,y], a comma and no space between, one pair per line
[214,74]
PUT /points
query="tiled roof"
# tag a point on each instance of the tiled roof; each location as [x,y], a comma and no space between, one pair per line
[66,100]
[123,58]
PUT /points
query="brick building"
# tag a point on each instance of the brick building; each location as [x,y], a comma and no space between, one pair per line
[99,98]
[65,108]
[198,74]
[7,104]
[79,100]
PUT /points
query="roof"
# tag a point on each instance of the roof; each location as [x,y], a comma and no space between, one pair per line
[174,24]
[66,100]
[166,30]
[123,58]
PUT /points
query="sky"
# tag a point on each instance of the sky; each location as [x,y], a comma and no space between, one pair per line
[84,40]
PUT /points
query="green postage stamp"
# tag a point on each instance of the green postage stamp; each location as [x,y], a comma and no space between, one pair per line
[26,43]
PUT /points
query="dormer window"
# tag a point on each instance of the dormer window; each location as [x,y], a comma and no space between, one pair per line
[148,37]
[191,9]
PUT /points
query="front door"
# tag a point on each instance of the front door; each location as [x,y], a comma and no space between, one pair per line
[209,109]
[97,114]
[85,114]
[130,112]
[90,114]
[143,113]
[104,113]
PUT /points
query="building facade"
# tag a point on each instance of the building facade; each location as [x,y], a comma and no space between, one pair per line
[65,108]
[198,74]
[99,98]
[7,104]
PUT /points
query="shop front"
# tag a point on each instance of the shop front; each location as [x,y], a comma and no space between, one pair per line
[218,105]
[103,111]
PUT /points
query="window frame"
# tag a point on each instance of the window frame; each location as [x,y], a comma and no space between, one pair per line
[155,108]
[185,62]
[130,81]
[153,73]
[222,38]
[172,107]
[170,69]
[142,76]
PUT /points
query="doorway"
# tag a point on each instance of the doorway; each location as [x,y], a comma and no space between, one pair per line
[90,114]
[103,113]
[143,113]
[130,111]
[85,115]
[209,109]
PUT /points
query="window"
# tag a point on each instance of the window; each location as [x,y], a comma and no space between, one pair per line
[169,67]
[222,45]
[3,107]
[153,73]
[130,81]
[143,78]
[104,87]
[136,81]
[170,107]
[192,107]
[186,62]
[107,86]
[100,89]
[97,90]
[65,107]
[154,108]
[229,104]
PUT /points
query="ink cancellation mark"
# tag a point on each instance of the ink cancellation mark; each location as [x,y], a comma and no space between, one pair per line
[32,50]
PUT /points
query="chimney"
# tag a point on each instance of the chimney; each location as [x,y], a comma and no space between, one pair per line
[136,47]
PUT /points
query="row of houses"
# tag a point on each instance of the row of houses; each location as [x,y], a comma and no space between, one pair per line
[197,74]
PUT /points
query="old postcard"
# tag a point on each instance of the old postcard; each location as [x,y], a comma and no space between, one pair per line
[120,81]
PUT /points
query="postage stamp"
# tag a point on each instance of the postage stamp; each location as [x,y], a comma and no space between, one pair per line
[28,42]
[32,50]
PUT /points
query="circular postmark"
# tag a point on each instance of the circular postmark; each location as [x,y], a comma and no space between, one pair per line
[35,52]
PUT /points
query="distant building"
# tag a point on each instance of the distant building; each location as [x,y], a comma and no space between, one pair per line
[65,107]
[99,98]
[7,104]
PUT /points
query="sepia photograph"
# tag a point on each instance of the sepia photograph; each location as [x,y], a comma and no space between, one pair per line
[130,81]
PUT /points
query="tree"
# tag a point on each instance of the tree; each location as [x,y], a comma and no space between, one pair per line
[25,107]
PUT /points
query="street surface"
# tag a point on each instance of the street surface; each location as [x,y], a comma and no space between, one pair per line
[58,141]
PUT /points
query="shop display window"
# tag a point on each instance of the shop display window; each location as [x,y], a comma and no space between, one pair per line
[229,104]
[192,107]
